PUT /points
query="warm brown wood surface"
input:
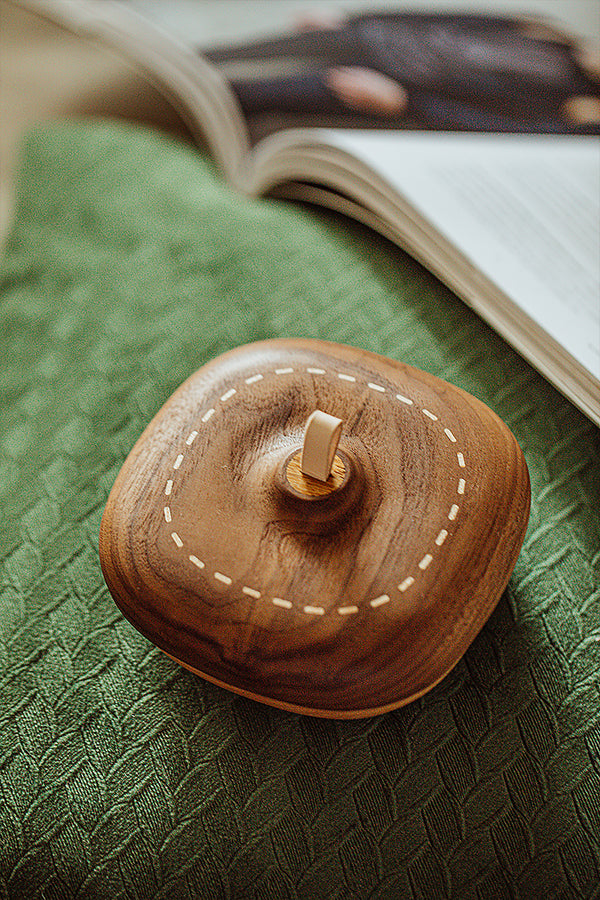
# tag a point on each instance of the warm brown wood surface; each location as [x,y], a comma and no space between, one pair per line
[309,487]
[343,605]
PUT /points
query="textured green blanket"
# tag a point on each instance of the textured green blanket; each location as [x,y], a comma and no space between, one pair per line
[124,776]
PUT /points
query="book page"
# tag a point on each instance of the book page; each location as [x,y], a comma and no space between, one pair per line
[523,210]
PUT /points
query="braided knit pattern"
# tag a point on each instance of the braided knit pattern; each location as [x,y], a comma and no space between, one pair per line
[122,775]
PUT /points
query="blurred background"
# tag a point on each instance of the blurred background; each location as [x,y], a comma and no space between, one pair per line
[224,20]
[47,73]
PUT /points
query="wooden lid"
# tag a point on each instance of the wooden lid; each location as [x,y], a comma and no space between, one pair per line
[343,603]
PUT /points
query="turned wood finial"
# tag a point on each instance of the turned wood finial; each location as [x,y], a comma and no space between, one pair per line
[321,439]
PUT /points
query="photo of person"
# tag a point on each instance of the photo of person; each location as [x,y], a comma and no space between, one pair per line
[445,71]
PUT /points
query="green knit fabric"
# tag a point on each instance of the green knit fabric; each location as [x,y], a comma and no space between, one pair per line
[122,775]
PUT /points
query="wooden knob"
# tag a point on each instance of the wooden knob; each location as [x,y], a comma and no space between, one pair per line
[310,488]
[321,439]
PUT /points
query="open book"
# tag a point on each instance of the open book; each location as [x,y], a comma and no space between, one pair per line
[469,140]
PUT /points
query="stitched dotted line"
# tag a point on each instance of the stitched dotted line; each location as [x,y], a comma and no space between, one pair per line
[280,602]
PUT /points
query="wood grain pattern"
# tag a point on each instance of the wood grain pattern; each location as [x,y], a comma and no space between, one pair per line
[306,486]
[343,605]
